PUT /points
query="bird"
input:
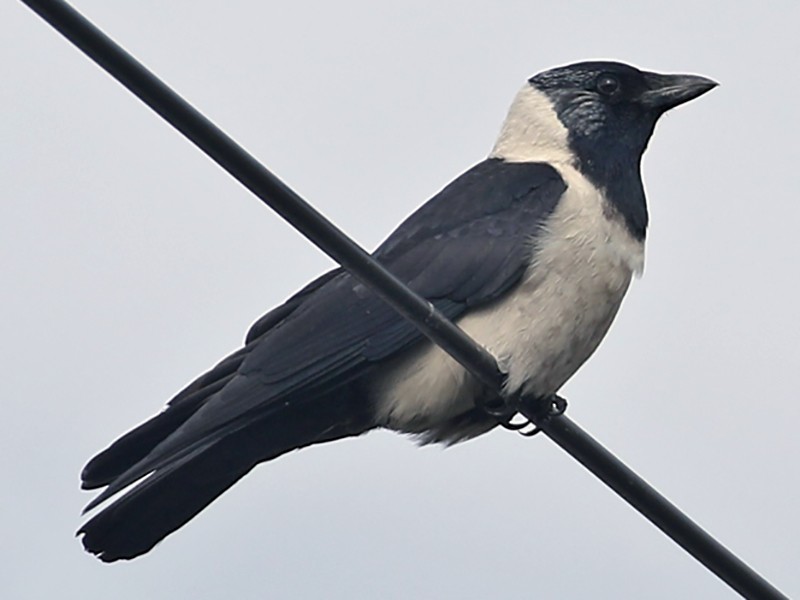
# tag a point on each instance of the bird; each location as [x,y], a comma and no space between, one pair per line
[530,252]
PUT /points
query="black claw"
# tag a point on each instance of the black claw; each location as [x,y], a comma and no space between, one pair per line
[558,405]
[514,426]
[543,407]
[518,427]
[530,433]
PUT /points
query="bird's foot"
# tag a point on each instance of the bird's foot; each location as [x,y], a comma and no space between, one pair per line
[542,407]
[505,410]
[536,409]
[498,407]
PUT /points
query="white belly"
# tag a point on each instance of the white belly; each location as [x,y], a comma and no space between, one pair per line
[542,332]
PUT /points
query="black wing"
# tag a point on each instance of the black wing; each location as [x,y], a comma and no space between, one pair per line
[467,246]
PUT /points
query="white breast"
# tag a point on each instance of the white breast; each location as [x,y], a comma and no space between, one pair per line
[543,331]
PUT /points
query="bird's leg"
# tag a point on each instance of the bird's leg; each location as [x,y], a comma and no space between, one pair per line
[505,409]
[497,406]
[541,408]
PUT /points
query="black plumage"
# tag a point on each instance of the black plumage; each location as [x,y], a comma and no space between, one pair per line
[297,381]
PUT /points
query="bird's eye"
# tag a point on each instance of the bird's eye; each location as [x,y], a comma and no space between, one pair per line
[607,85]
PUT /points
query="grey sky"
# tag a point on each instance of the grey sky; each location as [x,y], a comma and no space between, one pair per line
[130,264]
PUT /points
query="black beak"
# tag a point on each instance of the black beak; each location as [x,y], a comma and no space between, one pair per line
[668,91]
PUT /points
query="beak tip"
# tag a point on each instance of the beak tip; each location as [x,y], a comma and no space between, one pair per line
[709,84]
[669,91]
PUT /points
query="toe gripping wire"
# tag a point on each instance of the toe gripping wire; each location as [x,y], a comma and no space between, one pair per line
[506,411]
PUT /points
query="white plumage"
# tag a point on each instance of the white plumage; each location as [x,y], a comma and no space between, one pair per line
[550,324]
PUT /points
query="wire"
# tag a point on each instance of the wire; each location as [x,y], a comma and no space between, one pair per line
[544,413]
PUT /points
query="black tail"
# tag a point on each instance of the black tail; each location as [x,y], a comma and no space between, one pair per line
[182,487]
[137,443]
[173,495]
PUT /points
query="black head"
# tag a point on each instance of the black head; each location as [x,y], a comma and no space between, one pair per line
[610,102]
[609,110]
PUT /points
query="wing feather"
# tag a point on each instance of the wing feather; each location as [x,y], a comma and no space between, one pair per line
[465,247]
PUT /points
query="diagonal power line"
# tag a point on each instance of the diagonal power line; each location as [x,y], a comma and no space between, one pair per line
[272,191]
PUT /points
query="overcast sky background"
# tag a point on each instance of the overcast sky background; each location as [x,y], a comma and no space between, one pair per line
[130,263]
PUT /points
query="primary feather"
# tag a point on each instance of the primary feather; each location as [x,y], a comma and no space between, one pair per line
[303,365]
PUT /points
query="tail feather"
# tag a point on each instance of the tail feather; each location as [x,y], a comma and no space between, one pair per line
[137,443]
[161,504]
[184,484]
[174,494]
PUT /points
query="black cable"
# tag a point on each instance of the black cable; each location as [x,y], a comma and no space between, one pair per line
[248,171]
